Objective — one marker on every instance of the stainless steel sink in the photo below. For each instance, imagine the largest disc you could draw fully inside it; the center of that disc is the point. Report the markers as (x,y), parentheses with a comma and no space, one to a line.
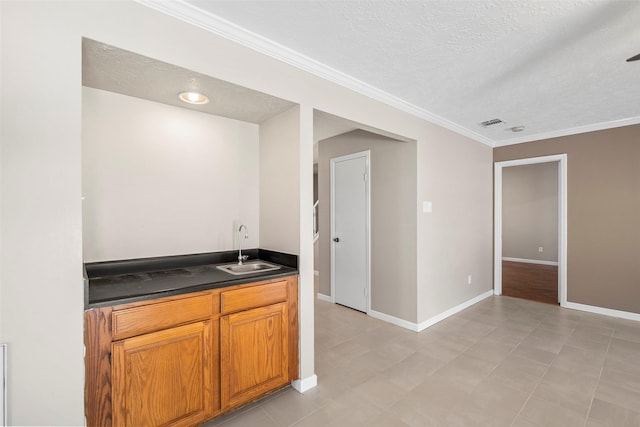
(248,267)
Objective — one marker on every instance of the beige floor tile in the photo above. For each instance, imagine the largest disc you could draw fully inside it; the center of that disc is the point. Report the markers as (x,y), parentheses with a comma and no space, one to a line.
(580,360)
(255,417)
(611,415)
(535,354)
(379,392)
(618,393)
(568,389)
(465,372)
(549,342)
(349,410)
(388,420)
(493,403)
(627,332)
(521,421)
(410,372)
(519,373)
(491,350)
(502,362)
(415,411)
(548,414)
(289,406)
(446,348)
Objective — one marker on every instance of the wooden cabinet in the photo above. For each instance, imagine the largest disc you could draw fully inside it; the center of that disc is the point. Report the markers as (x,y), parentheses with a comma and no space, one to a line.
(163,378)
(182,360)
(253,353)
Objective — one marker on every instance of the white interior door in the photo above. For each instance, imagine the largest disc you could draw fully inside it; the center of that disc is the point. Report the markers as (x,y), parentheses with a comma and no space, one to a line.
(350,230)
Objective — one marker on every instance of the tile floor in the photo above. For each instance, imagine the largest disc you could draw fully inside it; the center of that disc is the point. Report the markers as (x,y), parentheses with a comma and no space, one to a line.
(501,362)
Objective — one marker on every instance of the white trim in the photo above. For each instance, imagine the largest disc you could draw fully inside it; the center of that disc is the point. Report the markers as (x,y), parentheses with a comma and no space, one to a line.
(305,384)
(562,220)
(323,297)
(605,311)
(415,327)
(367,156)
(207,21)
(572,131)
(4,415)
(529,261)
(394,320)
(453,310)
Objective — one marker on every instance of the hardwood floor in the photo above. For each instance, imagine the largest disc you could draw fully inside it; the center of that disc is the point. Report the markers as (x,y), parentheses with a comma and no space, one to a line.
(535,282)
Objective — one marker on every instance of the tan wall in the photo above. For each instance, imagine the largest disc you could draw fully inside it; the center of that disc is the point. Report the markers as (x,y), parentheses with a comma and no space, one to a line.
(530,211)
(393,219)
(603,213)
(455,240)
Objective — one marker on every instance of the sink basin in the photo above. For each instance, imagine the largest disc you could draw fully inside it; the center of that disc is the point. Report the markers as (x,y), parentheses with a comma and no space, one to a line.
(248,267)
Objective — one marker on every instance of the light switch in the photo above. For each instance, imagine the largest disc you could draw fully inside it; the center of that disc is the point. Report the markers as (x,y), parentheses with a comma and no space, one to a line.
(427,206)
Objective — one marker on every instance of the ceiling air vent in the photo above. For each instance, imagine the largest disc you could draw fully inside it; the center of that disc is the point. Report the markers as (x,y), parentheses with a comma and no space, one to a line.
(491,122)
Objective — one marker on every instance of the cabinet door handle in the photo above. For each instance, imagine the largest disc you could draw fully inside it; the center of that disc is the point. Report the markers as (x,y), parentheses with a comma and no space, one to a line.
(336,239)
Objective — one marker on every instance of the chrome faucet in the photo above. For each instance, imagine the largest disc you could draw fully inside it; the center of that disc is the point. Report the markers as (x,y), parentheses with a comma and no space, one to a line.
(246,236)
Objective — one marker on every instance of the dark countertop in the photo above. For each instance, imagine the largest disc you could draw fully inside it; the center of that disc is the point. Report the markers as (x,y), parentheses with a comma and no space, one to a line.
(118,282)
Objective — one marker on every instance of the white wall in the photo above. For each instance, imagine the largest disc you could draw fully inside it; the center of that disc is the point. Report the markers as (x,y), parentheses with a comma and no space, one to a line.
(530,211)
(280,182)
(41,257)
(41,248)
(162,180)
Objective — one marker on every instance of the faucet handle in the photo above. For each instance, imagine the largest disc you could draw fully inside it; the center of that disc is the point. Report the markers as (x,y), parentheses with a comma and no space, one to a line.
(242,258)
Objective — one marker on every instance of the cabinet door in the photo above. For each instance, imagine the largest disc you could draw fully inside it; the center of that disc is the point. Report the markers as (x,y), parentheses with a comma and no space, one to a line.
(163,378)
(253,353)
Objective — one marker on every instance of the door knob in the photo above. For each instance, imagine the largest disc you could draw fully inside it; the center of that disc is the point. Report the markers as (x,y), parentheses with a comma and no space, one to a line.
(336,239)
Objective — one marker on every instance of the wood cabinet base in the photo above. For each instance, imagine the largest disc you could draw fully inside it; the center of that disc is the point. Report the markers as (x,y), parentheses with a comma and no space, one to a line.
(180,361)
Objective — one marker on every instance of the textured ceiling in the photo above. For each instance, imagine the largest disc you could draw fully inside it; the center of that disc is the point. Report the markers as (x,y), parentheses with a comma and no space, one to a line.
(115,70)
(555,67)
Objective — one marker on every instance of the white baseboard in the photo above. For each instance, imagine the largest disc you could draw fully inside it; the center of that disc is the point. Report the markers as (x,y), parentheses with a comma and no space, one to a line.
(440,317)
(417,327)
(305,384)
(530,261)
(394,320)
(323,297)
(601,310)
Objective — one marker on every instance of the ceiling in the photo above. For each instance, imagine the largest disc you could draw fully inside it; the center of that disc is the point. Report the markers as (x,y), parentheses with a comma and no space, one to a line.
(116,70)
(554,67)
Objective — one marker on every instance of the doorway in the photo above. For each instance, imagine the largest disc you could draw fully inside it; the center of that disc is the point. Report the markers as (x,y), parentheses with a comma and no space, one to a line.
(350,230)
(561,161)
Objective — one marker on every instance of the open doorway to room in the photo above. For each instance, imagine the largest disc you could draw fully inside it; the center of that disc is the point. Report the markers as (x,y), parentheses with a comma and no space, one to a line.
(530,229)
(530,232)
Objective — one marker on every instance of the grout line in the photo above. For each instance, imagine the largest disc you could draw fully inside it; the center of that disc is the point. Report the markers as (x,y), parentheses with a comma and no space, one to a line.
(595,389)
(537,384)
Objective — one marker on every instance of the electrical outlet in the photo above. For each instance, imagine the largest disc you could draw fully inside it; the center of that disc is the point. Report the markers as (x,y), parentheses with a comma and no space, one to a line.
(469,279)
(540,249)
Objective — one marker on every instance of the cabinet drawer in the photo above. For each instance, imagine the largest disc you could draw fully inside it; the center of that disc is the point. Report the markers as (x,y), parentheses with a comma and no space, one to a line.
(138,320)
(255,296)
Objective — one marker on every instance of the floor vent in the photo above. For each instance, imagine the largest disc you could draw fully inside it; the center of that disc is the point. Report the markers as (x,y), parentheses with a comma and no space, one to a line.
(491,122)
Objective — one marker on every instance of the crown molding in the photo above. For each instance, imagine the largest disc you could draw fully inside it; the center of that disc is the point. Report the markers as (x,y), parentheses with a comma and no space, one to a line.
(571,131)
(230,31)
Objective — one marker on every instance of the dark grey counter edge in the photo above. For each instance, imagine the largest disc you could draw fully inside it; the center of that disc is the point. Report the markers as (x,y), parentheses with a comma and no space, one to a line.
(257,277)
(96,270)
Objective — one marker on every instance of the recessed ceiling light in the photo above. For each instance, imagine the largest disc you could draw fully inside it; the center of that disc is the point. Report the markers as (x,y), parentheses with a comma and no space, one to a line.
(516,128)
(193,98)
